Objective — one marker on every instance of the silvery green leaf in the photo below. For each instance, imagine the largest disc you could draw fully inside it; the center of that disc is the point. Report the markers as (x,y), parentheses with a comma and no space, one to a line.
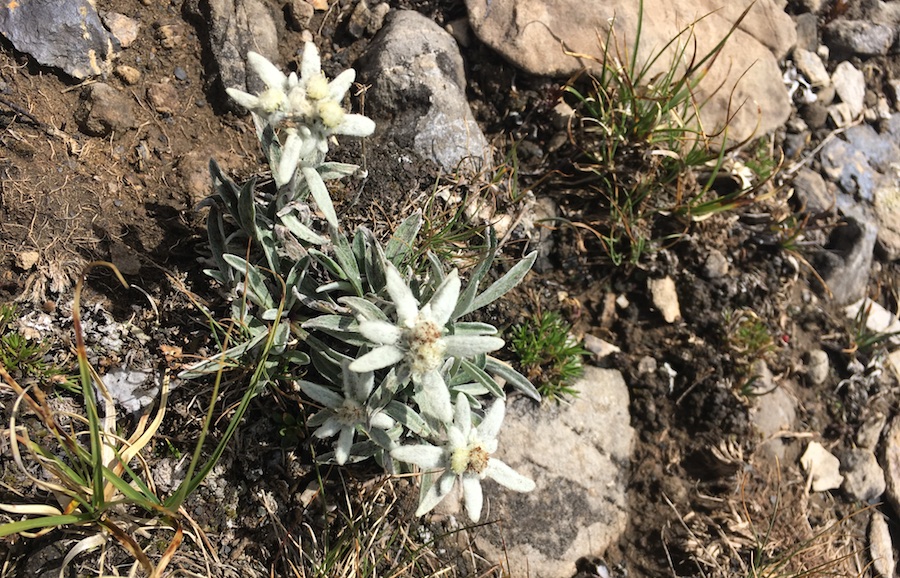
(335,325)
(226,188)
(407,416)
(212,364)
(344,255)
(482,378)
(217,275)
(320,193)
(333,267)
(359,452)
(215,230)
(330,171)
(463,305)
(295,357)
(360,248)
(512,377)
(437,268)
(321,394)
(271,314)
(473,328)
(404,238)
(382,438)
(258,292)
(281,339)
(502,285)
(300,230)
(472,390)
(271,146)
(363,308)
(266,238)
(247,207)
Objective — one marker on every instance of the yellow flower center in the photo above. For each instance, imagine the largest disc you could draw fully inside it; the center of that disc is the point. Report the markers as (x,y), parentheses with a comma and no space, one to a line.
(270,99)
(331,113)
(317,87)
(426,348)
(350,413)
(472,459)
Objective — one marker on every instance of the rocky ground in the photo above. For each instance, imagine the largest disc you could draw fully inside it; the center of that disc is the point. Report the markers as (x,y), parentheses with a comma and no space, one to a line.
(738,413)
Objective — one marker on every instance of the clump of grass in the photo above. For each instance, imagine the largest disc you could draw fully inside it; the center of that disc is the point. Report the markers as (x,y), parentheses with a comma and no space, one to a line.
(748,340)
(641,152)
(548,354)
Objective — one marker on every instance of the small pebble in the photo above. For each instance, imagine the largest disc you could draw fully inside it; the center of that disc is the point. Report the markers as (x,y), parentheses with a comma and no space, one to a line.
(180,73)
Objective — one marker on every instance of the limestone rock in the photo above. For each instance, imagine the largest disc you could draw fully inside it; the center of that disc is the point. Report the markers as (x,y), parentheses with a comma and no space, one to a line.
(812,67)
(850,84)
(846,262)
(665,298)
(887,211)
(817,366)
(125,29)
(822,468)
(578,508)
(881,549)
(534,35)
(66,35)
(417,92)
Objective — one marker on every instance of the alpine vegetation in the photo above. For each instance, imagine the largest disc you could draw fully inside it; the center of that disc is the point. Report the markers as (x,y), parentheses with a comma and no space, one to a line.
(385,354)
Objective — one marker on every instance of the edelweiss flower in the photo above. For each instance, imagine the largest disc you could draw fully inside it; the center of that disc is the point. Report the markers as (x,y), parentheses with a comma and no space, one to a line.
(309,103)
(466,458)
(418,341)
(344,414)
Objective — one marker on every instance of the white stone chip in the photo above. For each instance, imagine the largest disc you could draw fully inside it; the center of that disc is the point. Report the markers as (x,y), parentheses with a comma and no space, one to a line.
(822,468)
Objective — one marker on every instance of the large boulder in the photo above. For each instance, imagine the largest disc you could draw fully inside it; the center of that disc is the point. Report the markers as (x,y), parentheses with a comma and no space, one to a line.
(543,38)
(418,92)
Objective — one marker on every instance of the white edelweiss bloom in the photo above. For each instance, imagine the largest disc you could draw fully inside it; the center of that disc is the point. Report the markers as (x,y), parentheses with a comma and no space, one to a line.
(465,458)
(272,102)
(343,415)
(419,341)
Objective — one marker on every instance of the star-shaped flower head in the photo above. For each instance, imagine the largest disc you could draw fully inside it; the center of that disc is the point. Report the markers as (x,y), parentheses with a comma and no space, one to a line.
(465,458)
(343,415)
(271,104)
(419,341)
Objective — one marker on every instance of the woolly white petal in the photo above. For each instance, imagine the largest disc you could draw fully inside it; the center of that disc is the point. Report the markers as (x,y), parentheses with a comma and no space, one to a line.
(470,345)
(310,64)
(331,426)
(321,394)
(381,421)
(455,438)
(493,419)
(443,302)
(437,492)
(355,125)
(378,358)
(426,456)
(344,443)
(290,157)
(267,71)
(358,385)
(471,487)
(380,332)
(463,416)
(338,87)
(434,397)
(244,99)
(401,295)
(506,476)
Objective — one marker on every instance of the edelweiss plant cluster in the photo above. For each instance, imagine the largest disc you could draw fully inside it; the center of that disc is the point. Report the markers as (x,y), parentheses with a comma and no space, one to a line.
(399,376)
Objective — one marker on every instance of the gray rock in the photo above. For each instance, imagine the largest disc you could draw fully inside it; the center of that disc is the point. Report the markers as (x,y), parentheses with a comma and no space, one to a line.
(863,478)
(774,411)
(131,389)
(103,110)
(811,190)
(859,37)
(233,28)
(849,167)
(300,13)
(846,262)
(417,92)
(65,35)
(365,20)
(881,549)
(869,433)
(716,265)
(850,85)
(807,31)
(881,150)
(533,35)
(817,366)
(579,506)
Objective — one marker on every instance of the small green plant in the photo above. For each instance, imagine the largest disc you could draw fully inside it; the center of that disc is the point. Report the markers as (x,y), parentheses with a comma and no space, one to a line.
(548,354)
(639,146)
(22,356)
